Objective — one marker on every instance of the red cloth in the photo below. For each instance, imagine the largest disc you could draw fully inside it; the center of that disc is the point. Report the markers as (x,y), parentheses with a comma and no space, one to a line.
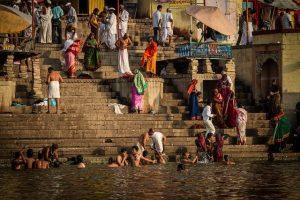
(231,114)
(192,86)
(218,151)
(201,142)
(149,52)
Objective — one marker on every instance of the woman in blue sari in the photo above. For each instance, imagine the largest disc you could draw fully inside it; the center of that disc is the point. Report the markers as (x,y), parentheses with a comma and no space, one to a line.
(193,100)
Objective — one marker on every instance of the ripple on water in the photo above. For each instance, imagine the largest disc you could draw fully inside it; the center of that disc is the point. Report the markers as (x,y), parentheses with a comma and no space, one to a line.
(244,180)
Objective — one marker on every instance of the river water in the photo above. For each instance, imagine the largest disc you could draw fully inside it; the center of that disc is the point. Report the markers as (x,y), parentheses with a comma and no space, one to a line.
(260,180)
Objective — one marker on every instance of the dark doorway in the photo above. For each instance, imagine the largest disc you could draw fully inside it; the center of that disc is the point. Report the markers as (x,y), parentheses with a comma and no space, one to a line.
(208,89)
(83,7)
(268,74)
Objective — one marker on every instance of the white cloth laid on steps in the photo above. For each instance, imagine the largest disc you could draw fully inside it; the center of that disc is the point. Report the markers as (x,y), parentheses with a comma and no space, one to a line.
(117,108)
(53,90)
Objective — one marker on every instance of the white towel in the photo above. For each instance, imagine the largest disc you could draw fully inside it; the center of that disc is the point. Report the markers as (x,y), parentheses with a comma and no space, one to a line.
(53,90)
(117,108)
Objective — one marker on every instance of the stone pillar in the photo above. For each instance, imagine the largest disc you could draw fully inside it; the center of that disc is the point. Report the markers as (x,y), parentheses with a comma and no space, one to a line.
(9,66)
(23,70)
(170,69)
(230,66)
(193,66)
(37,82)
(207,67)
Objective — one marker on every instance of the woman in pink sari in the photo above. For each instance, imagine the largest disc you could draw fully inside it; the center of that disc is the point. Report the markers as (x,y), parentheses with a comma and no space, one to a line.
(72,49)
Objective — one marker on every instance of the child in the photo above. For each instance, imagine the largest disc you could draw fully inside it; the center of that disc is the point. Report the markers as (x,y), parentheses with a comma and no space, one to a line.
(18,161)
(227,161)
(40,163)
(80,164)
(29,161)
(187,159)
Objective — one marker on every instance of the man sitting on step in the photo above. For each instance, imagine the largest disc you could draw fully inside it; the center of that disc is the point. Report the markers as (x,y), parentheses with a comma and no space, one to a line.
(53,80)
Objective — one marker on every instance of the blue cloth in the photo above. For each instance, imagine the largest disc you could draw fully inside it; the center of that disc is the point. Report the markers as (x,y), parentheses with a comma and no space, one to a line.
(193,105)
(57,12)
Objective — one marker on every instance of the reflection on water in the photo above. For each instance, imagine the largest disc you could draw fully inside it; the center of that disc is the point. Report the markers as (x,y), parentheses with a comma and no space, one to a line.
(245,180)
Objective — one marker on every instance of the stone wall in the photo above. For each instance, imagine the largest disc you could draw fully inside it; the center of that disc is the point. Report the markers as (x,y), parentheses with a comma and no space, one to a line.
(244,63)
(7,94)
(152,97)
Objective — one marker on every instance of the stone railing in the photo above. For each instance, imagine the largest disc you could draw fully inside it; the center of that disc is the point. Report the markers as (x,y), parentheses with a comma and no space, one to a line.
(204,50)
(152,97)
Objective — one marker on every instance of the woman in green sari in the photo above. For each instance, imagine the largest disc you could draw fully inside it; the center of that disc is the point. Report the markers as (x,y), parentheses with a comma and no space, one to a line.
(91,53)
(281,131)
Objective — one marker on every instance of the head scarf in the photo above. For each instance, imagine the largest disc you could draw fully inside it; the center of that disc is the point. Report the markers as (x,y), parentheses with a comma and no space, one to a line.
(192,86)
(139,82)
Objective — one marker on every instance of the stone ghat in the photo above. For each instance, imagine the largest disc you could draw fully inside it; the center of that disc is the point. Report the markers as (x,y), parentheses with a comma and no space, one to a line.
(92,129)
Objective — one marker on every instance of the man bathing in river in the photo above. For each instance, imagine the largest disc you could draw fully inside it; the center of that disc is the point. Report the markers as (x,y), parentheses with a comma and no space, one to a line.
(29,161)
(40,163)
(142,141)
(137,157)
(121,160)
(53,80)
(158,140)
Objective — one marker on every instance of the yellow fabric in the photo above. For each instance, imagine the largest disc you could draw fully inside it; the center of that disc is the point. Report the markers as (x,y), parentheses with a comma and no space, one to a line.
(151,64)
(96,4)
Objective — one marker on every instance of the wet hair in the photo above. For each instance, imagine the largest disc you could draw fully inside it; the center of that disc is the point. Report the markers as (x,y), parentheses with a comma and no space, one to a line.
(159,7)
(135,148)
(50,69)
(54,146)
(96,10)
(145,153)
(79,159)
(123,150)
(40,155)
(226,157)
(29,153)
(110,160)
(180,167)
(150,130)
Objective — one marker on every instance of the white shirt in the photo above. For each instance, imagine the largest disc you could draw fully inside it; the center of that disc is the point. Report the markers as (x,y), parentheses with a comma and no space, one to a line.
(229,79)
(157,139)
(72,16)
(112,24)
(206,114)
(166,20)
(156,17)
(124,17)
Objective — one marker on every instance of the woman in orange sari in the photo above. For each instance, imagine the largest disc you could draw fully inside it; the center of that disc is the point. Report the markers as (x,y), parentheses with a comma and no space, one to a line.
(218,109)
(150,56)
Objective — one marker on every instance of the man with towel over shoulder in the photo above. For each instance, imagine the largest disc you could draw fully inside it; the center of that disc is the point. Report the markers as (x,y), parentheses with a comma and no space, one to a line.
(53,80)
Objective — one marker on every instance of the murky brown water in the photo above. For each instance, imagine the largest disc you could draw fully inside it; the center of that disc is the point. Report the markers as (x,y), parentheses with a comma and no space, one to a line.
(279,180)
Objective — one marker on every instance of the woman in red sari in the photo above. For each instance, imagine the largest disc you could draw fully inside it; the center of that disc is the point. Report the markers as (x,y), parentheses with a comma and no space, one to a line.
(230,111)
(71,51)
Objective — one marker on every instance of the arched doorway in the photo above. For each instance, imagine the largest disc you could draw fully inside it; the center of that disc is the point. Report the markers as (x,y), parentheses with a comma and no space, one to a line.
(268,74)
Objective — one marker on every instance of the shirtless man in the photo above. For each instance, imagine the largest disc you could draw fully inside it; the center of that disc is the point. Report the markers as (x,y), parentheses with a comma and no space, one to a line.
(137,157)
(123,65)
(53,80)
(121,160)
(29,161)
(40,163)
(142,141)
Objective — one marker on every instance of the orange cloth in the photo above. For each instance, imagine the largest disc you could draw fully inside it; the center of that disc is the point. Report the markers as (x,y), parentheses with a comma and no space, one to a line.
(150,56)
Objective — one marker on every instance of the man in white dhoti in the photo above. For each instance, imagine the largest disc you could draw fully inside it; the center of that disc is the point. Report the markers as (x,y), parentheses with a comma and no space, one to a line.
(167,27)
(124,17)
(207,119)
(123,64)
(71,15)
(241,125)
(111,29)
(46,24)
(53,80)
(158,142)
(103,25)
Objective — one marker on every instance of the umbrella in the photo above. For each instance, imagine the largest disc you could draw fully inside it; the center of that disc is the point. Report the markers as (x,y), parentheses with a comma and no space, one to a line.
(283,4)
(13,20)
(212,17)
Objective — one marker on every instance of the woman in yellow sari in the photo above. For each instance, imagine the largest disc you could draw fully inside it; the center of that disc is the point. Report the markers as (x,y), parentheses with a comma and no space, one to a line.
(150,56)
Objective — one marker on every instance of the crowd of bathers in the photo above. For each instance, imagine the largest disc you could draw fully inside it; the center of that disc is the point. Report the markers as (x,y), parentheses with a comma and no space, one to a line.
(209,149)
